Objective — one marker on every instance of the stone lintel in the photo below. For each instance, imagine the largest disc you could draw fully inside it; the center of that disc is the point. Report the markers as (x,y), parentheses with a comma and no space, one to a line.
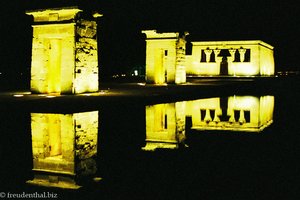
(54,14)
(152,34)
(232,43)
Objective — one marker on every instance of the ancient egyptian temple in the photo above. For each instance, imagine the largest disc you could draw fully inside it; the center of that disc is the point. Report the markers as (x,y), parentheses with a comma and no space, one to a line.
(231,58)
(64,51)
(167,62)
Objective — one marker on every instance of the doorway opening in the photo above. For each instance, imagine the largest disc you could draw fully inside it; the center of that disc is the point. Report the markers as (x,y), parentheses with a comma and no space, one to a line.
(54,66)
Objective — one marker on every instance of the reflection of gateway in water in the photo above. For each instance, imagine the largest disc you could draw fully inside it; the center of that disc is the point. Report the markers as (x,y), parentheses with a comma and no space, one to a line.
(63,147)
(165,123)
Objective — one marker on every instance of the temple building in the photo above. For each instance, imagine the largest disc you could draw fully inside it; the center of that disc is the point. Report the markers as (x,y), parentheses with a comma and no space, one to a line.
(64,147)
(165,57)
(64,51)
(167,62)
(231,58)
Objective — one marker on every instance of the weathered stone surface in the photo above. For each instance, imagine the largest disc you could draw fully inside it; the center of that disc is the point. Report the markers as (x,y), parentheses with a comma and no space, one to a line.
(86,132)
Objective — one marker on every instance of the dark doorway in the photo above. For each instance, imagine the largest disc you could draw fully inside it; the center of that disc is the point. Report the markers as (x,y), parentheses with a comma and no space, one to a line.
(224,66)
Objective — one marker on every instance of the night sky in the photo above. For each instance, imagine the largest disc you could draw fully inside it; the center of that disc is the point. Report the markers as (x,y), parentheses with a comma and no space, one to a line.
(122,45)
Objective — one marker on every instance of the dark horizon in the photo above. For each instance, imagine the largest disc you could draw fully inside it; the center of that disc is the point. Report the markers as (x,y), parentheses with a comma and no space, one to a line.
(122,45)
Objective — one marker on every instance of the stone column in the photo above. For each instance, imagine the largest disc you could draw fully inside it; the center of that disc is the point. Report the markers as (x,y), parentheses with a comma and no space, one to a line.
(217,52)
(242,119)
(207,54)
(242,54)
(232,53)
(207,117)
(231,59)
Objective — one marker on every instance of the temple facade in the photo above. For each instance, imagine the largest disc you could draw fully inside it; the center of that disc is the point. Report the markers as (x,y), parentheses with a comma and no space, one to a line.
(167,62)
(231,58)
(64,51)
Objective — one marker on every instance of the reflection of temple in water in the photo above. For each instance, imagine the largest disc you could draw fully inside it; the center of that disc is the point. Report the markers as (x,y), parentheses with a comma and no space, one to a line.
(165,123)
(63,147)
(235,113)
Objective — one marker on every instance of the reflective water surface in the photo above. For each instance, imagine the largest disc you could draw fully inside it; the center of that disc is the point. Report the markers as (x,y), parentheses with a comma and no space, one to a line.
(216,146)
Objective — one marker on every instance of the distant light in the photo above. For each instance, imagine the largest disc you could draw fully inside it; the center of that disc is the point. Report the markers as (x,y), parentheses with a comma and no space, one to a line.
(50,96)
(18,95)
(95,15)
(97,179)
(142,84)
(123,75)
(136,72)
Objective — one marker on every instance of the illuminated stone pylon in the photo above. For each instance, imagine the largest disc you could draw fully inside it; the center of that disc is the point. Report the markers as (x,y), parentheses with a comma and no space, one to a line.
(64,51)
(165,57)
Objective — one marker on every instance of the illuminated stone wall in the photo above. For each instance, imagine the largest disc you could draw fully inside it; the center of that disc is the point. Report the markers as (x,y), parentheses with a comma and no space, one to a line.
(64,51)
(86,67)
(244,58)
(266,105)
(165,57)
(63,146)
(165,125)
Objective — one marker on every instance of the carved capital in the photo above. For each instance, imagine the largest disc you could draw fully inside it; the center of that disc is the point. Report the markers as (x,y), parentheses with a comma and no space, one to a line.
(207,54)
(232,52)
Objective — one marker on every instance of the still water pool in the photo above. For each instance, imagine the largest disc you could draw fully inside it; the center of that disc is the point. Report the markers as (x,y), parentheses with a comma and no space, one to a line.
(234,146)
